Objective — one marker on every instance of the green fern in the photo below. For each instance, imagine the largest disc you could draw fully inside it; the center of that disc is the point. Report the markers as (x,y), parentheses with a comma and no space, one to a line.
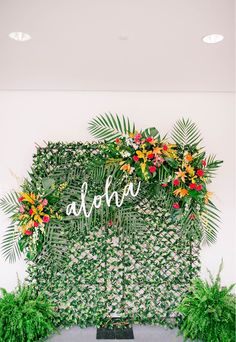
(185,132)
(208,312)
(109,127)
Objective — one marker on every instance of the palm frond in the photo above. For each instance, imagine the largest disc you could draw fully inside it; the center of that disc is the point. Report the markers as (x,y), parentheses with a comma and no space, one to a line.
(212,166)
(9,203)
(108,126)
(185,132)
(209,220)
(10,247)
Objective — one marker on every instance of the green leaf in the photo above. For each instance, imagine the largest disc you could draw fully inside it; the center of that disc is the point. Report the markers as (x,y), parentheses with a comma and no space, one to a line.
(185,132)
(108,126)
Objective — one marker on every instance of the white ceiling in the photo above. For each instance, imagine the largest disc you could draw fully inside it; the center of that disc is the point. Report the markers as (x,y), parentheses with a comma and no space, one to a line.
(76,45)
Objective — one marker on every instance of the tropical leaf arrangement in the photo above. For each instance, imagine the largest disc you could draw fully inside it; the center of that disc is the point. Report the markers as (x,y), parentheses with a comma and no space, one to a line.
(208,311)
(25,316)
(178,171)
(181,167)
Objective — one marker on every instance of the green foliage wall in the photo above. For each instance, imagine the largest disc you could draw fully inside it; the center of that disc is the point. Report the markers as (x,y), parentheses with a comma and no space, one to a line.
(140,269)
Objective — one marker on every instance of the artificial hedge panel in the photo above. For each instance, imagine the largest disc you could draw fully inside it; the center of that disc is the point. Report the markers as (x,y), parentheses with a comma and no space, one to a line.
(100,267)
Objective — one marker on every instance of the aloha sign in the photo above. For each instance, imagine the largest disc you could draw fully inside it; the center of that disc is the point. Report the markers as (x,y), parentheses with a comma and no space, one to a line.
(77,209)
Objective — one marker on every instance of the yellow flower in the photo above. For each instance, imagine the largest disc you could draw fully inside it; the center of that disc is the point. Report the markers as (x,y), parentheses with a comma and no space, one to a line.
(181,192)
(131,135)
(140,154)
(181,174)
(40,207)
(207,196)
(28,198)
(143,167)
(190,170)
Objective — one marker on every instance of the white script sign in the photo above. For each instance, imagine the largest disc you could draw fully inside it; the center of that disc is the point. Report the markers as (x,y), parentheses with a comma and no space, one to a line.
(74,209)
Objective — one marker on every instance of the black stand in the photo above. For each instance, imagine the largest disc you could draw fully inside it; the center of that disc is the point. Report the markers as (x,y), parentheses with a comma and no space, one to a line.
(115,334)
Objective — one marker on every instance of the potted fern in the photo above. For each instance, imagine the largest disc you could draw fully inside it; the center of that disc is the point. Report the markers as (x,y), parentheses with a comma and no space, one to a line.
(208,311)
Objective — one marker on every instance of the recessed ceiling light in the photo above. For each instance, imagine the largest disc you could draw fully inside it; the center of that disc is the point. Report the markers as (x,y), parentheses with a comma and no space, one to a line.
(20,36)
(123,37)
(213,38)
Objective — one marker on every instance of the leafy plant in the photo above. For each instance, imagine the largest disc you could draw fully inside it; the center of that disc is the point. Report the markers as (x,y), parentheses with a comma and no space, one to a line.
(208,311)
(25,317)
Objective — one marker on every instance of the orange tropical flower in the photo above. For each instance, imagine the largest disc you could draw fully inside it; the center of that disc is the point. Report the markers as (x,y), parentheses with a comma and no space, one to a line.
(157,150)
(181,174)
(190,170)
(126,167)
(181,192)
(188,157)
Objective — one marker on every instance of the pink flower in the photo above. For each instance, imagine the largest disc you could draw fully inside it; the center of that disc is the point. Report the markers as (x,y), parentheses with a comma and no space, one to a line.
(46,218)
(176,182)
(28,232)
(36,224)
(152,169)
(44,202)
(21,209)
(20,199)
(165,147)
(135,159)
(200,173)
(31,211)
(137,138)
(164,185)
(176,205)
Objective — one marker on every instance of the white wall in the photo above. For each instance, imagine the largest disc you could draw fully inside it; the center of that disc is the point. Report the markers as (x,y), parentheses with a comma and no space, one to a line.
(30,117)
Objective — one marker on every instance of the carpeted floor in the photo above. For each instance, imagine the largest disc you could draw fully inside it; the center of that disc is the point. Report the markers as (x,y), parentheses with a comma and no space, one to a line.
(141,334)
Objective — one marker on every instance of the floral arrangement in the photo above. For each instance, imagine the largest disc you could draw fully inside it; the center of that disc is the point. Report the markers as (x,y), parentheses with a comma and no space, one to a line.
(31,214)
(187,172)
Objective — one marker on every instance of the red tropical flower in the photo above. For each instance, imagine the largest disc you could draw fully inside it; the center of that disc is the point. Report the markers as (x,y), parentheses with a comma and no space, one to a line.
(117,140)
(165,147)
(176,182)
(110,223)
(135,158)
(150,156)
(176,205)
(192,216)
(164,185)
(31,211)
(204,163)
(20,199)
(192,186)
(199,187)
(36,224)
(149,139)
(46,219)
(28,232)
(200,173)
(152,169)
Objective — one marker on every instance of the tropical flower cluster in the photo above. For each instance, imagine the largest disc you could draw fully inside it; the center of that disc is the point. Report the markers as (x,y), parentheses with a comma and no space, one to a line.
(32,216)
(149,157)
